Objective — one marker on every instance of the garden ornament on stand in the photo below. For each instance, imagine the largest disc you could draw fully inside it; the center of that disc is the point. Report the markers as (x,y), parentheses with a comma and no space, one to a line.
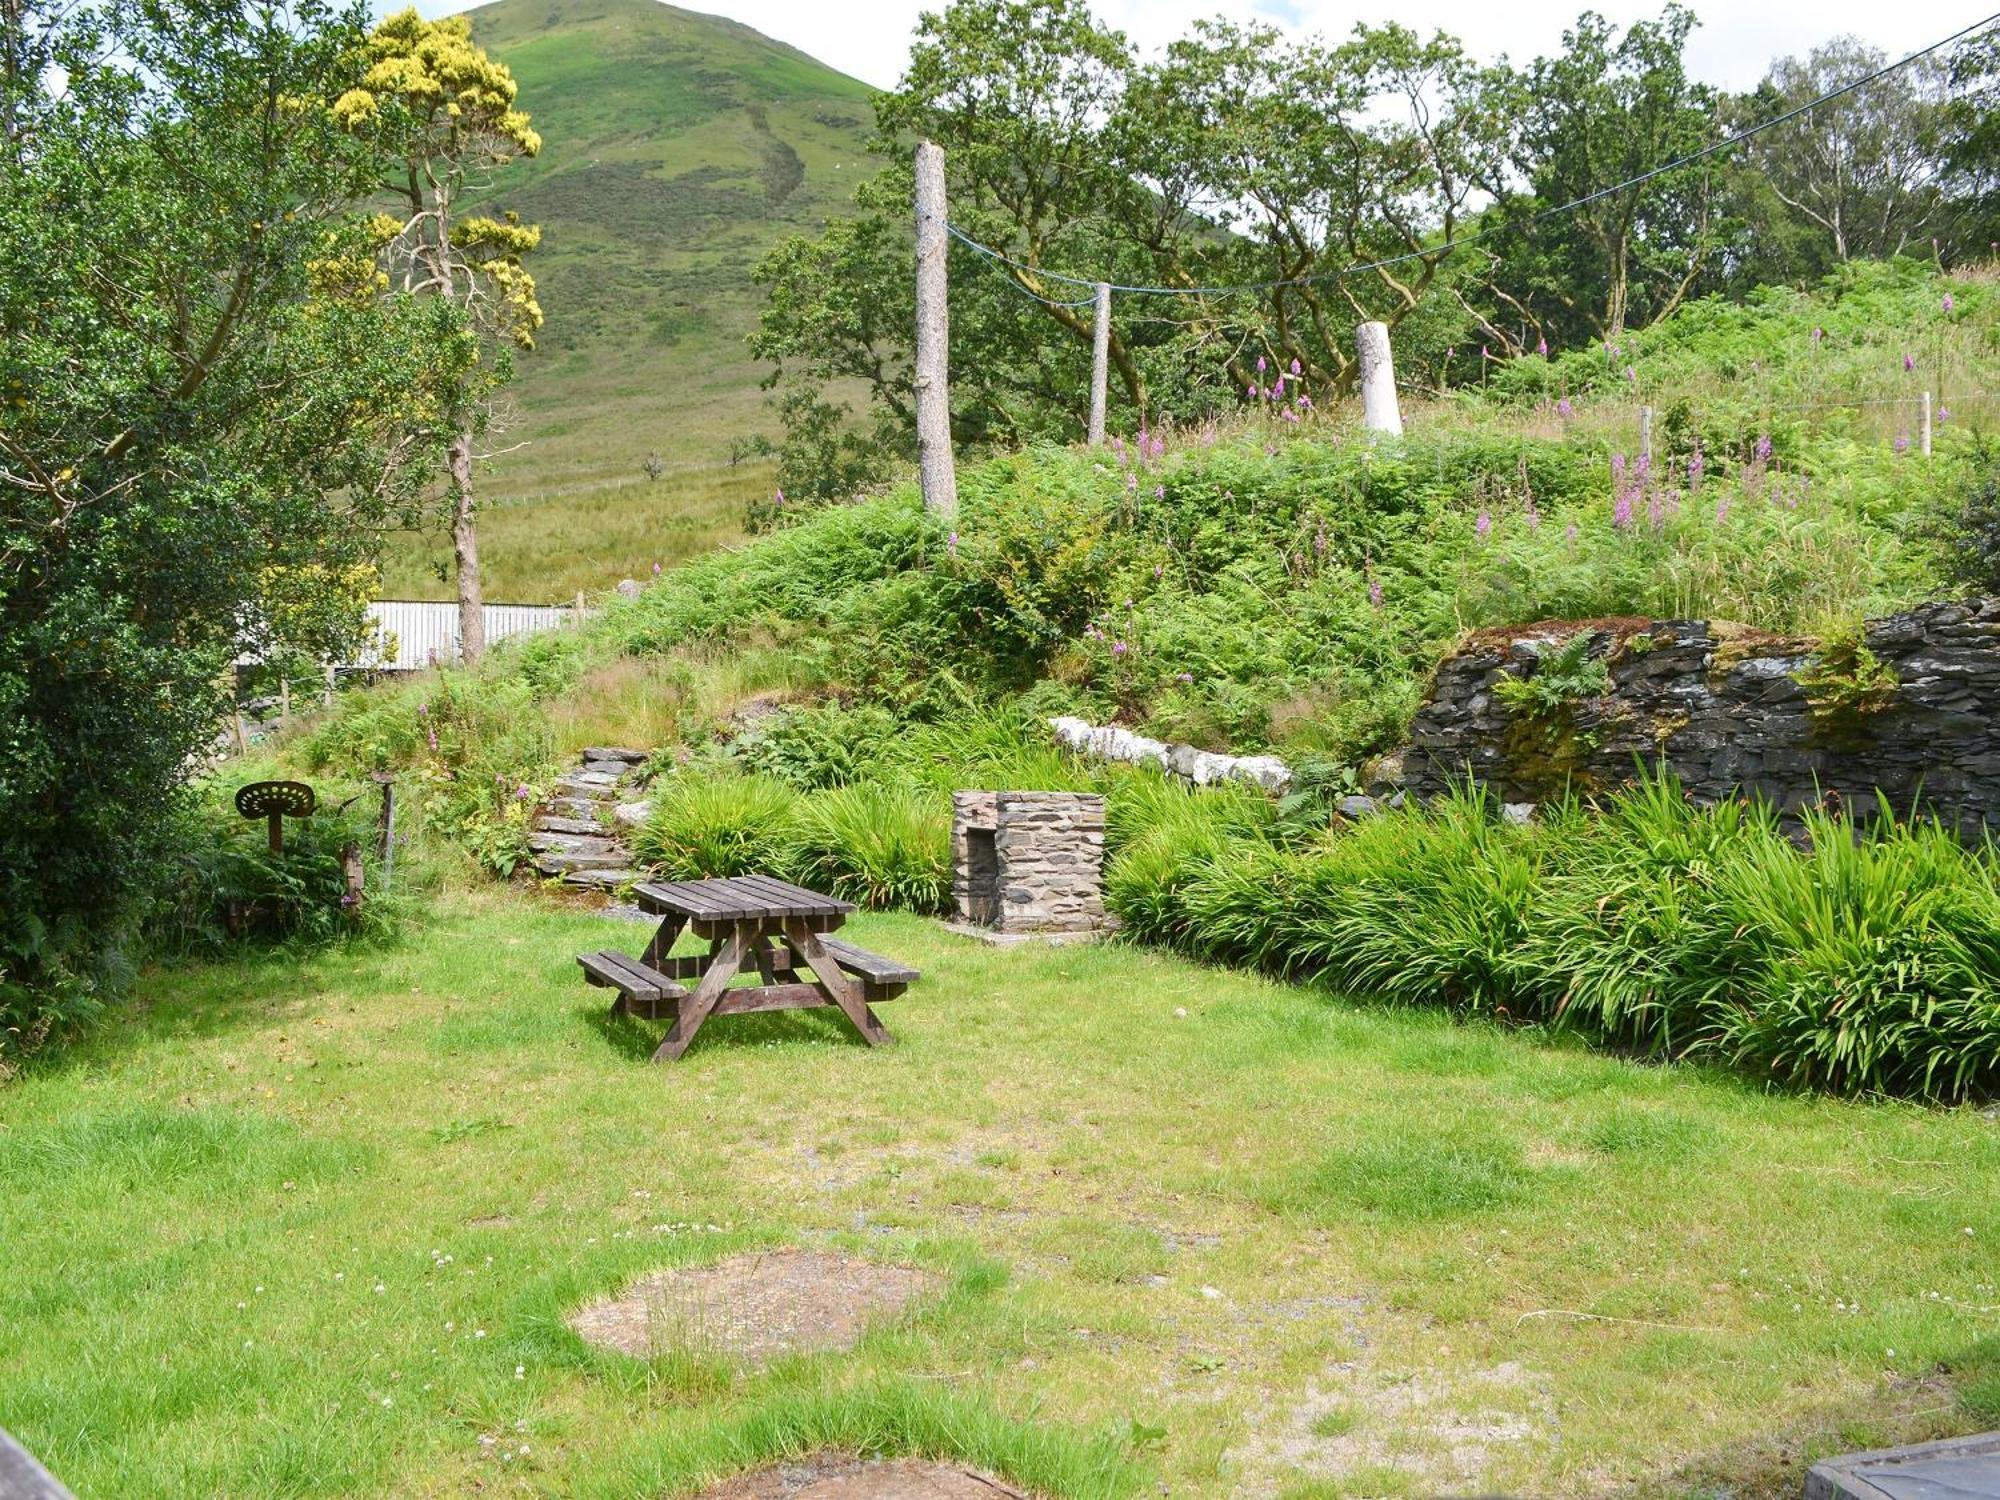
(275,801)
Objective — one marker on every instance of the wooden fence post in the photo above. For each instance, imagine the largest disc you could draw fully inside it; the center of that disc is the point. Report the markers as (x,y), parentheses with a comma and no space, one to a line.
(1646,435)
(1379,412)
(933,391)
(1100,363)
(1927,424)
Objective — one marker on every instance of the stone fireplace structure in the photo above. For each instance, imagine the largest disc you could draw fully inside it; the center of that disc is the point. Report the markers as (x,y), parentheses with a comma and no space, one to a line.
(1028,864)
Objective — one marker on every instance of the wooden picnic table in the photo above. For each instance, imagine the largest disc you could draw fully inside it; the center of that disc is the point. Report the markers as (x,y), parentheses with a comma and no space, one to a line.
(753,924)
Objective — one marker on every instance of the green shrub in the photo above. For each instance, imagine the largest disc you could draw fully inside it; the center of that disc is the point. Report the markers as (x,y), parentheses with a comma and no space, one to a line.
(1869,964)
(880,846)
(706,825)
(226,886)
(1866,962)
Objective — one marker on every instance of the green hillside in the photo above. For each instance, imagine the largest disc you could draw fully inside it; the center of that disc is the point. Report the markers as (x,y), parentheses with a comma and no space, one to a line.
(678,147)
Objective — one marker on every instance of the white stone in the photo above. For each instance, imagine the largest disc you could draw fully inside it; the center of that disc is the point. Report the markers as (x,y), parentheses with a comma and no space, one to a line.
(1202,767)
(633,814)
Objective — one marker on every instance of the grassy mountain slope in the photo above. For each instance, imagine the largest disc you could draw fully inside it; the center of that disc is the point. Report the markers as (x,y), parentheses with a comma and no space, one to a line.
(678,148)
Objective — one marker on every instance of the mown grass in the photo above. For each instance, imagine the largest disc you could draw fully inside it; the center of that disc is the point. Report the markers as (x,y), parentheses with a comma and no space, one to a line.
(311,1227)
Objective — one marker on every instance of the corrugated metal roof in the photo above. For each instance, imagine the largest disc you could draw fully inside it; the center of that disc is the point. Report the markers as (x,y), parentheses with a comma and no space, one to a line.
(411,634)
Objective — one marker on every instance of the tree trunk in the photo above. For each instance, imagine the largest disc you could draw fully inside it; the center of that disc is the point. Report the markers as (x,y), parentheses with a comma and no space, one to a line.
(465,553)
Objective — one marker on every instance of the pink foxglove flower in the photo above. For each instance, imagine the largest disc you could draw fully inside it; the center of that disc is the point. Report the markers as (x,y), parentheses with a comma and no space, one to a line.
(1484,525)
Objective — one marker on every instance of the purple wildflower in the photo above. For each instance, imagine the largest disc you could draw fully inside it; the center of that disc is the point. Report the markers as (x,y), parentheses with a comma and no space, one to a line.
(1251,391)
(1375,592)
(1278,390)
(1564,409)
(1621,510)
(1305,401)
(522,794)
(1260,364)
(1696,466)
(1484,352)
(1542,347)
(1184,677)
(1159,492)
(1569,532)
(1119,648)
(1902,442)
(1947,301)
(1534,515)
(1818,335)
(1483,526)
(1944,415)
(1632,375)
(656,570)
(951,544)
(432,735)
(1722,508)
(1764,448)
(1909,363)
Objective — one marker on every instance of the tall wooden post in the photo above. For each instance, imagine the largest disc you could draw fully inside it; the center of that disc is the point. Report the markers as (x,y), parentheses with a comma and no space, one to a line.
(1646,435)
(933,390)
(1379,412)
(1927,424)
(1100,363)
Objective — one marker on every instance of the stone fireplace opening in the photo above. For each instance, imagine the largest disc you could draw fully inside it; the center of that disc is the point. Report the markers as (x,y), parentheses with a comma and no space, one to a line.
(1028,864)
(982,877)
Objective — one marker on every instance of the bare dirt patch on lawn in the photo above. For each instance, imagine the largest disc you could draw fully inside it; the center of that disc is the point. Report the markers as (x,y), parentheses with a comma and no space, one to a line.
(837,1476)
(754,1307)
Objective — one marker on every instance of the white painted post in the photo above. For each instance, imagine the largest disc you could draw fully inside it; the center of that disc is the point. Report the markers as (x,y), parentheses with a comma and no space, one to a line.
(936,475)
(1646,435)
(1927,424)
(1100,363)
(1379,412)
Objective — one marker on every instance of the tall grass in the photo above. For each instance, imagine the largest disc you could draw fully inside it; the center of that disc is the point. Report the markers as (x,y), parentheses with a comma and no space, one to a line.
(1866,961)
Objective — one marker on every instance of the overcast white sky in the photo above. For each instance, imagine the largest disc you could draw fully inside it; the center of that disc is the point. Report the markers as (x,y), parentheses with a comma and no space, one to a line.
(870,38)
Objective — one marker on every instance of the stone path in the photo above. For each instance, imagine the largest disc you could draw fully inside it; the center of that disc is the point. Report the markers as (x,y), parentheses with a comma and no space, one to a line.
(577,834)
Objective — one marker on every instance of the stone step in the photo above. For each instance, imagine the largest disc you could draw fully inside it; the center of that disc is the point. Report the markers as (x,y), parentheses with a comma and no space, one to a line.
(591,791)
(562,862)
(578,809)
(595,778)
(574,843)
(590,827)
(604,879)
(617,770)
(614,752)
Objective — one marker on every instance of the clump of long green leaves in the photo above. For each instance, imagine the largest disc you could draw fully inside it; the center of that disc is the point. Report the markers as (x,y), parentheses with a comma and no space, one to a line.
(1858,960)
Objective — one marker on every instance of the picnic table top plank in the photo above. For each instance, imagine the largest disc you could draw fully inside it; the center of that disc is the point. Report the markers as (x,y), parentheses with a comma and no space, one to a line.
(738,898)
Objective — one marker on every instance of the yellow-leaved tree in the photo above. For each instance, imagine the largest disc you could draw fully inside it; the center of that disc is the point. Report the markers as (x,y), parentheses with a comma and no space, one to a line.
(447,111)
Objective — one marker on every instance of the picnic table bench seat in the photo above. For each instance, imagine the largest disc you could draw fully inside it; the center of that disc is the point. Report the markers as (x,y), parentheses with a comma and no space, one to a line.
(885,978)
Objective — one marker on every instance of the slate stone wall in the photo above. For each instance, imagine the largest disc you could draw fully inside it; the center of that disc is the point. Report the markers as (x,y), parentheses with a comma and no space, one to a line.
(1732,711)
(1048,849)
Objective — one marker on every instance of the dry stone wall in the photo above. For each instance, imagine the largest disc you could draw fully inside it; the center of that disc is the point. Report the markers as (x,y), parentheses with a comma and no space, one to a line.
(1910,709)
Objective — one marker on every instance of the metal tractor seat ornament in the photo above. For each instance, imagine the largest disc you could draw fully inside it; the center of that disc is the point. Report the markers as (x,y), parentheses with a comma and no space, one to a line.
(276,801)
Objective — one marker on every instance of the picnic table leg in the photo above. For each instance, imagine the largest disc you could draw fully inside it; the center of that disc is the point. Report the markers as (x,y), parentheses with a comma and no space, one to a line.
(839,987)
(663,940)
(724,961)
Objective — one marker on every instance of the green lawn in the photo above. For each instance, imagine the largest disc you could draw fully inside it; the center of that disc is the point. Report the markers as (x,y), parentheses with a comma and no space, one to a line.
(311,1227)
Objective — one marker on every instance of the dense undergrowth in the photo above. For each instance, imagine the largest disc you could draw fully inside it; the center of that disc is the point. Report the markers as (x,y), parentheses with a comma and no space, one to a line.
(814,695)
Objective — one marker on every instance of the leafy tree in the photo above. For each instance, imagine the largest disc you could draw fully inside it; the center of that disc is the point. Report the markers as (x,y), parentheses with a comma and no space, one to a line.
(208,414)
(440,104)
(1861,176)
(1611,108)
